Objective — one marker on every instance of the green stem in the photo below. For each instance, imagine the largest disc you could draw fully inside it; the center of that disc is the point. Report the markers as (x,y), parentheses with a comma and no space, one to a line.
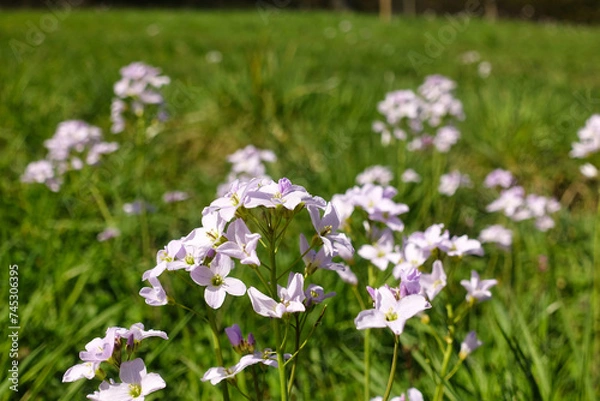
(367,344)
(439,390)
(217,350)
(295,361)
(101,204)
(256,385)
(276,322)
(595,310)
(388,389)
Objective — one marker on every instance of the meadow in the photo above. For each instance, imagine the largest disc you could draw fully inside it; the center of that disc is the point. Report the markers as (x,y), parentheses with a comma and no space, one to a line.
(305,86)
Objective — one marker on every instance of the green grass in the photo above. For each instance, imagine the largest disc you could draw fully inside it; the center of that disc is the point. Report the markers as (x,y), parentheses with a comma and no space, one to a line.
(284,85)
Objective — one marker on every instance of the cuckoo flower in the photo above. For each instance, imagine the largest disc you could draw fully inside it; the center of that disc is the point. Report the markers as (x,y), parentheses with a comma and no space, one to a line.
(327,227)
(499,178)
(315,294)
(136,333)
(460,246)
(390,310)
(291,298)
(171,258)
(241,243)
(273,194)
(218,374)
(314,260)
(470,344)
(413,257)
(136,384)
(155,295)
(432,238)
(497,234)
(432,284)
(239,344)
(209,235)
(96,351)
(478,290)
(218,285)
(375,175)
(382,252)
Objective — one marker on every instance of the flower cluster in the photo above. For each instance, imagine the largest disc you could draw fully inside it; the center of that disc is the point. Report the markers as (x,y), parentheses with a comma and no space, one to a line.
(589,143)
(409,114)
(247,163)
(138,88)
(515,204)
(74,145)
(135,381)
(207,252)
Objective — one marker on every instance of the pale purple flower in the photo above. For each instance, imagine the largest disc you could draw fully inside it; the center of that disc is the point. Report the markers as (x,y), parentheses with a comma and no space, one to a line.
(375,175)
(445,138)
(283,193)
(410,282)
(326,228)
(449,183)
(218,285)
(390,311)
(432,284)
(461,246)
(478,290)
(209,234)
(433,237)
(155,295)
(410,175)
(85,370)
(413,257)
(347,275)
(344,207)
(381,253)
(509,202)
(291,298)
(412,393)
(435,86)
(315,294)
(249,161)
(136,384)
(377,201)
(236,338)
(138,207)
(42,172)
(136,333)
(314,260)
(399,105)
(139,86)
(218,374)
(235,196)
(99,149)
(241,243)
(175,196)
(470,344)
(100,349)
(588,170)
(496,234)
(170,258)
(589,139)
(108,233)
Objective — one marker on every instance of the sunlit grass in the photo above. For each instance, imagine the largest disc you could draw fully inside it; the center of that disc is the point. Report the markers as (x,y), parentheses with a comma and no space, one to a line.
(299,85)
